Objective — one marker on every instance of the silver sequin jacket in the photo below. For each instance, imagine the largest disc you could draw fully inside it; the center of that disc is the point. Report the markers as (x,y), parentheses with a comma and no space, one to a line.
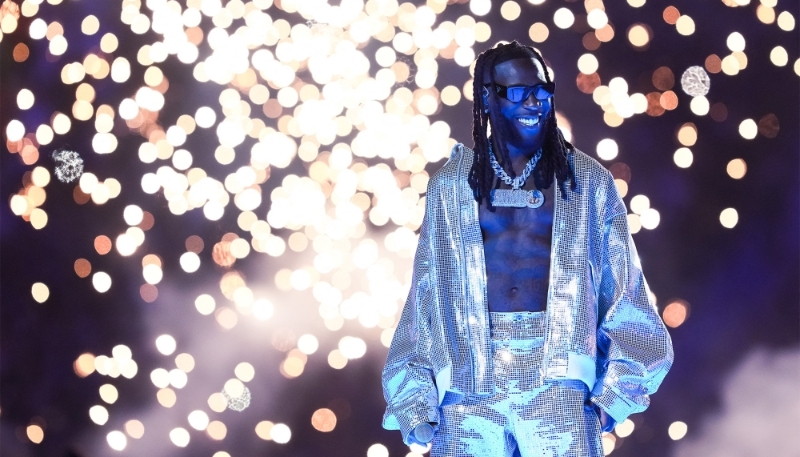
(603,328)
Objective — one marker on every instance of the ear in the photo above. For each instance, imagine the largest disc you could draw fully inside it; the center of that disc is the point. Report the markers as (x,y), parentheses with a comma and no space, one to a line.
(485,96)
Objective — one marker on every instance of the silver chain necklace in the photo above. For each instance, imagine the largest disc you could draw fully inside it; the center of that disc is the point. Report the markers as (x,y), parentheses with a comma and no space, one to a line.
(515,197)
(517,182)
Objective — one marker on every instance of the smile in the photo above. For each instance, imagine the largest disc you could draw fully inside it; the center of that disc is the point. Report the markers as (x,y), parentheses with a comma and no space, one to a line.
(528,121)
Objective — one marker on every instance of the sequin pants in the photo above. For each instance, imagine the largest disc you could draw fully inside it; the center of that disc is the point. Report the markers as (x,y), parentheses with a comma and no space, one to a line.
(526,417)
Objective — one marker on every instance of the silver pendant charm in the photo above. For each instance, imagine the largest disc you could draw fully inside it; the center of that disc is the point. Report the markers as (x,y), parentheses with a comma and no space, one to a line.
(517,198)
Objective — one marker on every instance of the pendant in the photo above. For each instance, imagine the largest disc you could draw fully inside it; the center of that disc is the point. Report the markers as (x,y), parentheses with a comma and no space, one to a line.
(517,198)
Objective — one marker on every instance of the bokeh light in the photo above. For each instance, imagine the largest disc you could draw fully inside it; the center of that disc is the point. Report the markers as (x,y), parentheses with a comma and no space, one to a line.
(35,433)
(683,157)
(729,217)
(101,281)
(40,292)
(280,433)
(625,428)
(296,140)
(134,428)
(377,450)
(675,313)
(323,420)
(677,430)
(166,344)
(607,149)
(179,437)
(117,440)
(748,129)
(736,168)
(563,18)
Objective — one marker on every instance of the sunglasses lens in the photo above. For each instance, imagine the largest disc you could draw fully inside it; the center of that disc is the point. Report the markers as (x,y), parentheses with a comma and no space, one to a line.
(541,93)
(516,94)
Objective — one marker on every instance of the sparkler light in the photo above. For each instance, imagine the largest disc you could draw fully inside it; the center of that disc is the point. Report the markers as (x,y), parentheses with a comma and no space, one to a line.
(259,168)
(68,165)
(695,81)
(237,402)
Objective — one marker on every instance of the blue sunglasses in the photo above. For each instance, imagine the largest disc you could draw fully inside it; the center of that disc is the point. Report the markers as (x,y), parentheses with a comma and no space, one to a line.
(517,94)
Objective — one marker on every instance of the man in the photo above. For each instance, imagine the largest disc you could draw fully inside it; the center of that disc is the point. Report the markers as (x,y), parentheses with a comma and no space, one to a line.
(528,328)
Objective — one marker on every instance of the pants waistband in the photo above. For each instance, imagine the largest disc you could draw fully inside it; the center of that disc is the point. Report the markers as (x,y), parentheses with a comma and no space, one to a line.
(518,326)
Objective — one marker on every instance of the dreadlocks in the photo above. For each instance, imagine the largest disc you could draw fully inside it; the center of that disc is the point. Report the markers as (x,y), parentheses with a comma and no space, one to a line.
(554,147)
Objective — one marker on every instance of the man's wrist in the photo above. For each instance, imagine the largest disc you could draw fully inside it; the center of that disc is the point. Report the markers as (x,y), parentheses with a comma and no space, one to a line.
(607,423)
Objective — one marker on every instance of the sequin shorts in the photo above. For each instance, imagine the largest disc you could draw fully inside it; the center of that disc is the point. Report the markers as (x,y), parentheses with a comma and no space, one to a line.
(526,417)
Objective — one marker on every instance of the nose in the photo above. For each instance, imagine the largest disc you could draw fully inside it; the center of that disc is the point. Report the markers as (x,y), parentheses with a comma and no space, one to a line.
(531,100)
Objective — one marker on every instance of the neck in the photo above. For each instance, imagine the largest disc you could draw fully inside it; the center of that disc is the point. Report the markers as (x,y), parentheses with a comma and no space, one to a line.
(520,156)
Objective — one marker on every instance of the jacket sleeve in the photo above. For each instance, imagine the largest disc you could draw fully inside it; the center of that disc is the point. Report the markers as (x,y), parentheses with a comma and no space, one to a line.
(634,348)
(408,376)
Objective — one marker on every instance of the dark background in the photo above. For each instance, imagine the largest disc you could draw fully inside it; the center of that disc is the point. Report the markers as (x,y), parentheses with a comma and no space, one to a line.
(741,283)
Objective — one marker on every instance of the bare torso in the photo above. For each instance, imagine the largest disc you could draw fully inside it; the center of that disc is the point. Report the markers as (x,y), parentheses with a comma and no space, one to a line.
(516,245)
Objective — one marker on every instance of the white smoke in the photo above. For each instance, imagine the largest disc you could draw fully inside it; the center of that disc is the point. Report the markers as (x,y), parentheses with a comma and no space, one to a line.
(760,412)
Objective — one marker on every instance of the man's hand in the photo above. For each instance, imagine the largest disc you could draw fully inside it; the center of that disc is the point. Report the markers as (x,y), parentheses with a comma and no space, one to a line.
(422,434)
(607,423)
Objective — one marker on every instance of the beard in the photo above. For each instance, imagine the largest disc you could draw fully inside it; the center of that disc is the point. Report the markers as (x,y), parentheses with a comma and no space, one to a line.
(502,130)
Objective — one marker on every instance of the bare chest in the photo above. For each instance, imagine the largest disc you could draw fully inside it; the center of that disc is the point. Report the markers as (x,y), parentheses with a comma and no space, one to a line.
(516,244)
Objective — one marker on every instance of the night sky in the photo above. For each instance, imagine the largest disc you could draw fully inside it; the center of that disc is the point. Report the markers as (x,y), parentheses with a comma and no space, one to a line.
(740,284)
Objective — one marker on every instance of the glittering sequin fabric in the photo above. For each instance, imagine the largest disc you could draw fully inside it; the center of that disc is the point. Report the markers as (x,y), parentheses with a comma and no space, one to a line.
(527,416)
(603,329)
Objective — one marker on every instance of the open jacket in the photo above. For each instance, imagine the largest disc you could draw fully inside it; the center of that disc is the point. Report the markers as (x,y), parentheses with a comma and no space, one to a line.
(602,327)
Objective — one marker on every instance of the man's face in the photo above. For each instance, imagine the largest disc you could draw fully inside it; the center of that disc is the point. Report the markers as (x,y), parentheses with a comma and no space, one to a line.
(525,120)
